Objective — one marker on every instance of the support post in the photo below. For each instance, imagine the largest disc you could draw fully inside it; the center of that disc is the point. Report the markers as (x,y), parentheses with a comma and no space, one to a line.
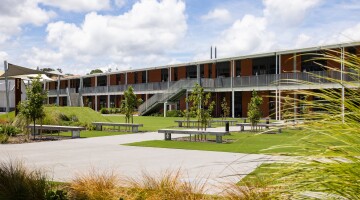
(6,87)
(276,91)
(279,85)
(198,74)
(342,86)
(58,92)
(232,90)
(165,108)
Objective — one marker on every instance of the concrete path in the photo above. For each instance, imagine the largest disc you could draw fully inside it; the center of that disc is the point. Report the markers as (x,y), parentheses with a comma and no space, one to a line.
(64,159)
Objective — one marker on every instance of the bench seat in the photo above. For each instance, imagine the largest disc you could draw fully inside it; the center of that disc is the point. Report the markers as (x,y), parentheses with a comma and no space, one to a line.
(168,132)
(261,125)
(134,127)
(75,130)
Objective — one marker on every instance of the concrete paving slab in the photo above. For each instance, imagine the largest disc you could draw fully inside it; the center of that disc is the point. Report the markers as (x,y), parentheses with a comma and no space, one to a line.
(64,159)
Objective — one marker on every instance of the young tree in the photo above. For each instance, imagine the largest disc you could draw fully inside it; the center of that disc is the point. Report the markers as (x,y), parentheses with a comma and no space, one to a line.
(201,105)
(129,104)
(254,112)
(225,108)
(32,108)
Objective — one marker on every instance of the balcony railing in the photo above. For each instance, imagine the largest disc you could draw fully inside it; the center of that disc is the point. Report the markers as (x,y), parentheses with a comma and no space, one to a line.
(321,77)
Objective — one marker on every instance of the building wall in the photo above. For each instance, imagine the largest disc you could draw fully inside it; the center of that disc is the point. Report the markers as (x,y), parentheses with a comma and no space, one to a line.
(113,79)
(154,75)
(130,78)
(246,67)
(181,73)
(63,84)
(92,81)
(287,63)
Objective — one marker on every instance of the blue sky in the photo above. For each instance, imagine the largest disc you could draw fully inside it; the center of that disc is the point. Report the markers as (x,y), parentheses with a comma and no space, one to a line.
(80,35)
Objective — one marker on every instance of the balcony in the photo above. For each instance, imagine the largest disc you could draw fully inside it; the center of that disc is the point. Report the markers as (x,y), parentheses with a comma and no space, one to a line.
(321,77)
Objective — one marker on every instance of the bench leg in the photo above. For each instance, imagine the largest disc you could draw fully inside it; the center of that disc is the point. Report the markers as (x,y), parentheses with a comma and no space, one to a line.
(98,127)
(167,136)
(242,128)
(279,130)
(134,129)
(180,124)
(75,134)
(218,139)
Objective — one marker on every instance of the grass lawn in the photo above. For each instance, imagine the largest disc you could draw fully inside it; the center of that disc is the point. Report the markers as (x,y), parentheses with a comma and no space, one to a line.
(10,115)
(290,142)
(295,178)
(84,114)
(88,134)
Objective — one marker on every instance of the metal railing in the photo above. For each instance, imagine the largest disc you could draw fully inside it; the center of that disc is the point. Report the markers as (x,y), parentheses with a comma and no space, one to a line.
(174,89)
(320,77)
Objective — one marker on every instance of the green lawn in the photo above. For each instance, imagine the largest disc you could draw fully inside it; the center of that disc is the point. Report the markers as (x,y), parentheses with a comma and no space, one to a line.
(88,134)
(84,114)
(290,142)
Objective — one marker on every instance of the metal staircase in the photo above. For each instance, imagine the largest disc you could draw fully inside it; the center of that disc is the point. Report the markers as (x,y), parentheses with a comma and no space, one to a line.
(73,98)
(173,93)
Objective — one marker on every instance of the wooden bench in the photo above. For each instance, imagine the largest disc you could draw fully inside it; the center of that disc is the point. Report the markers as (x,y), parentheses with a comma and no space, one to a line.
(193,122)
(224,121)
(134,127)
(261,125)
(75,130)
(168,132)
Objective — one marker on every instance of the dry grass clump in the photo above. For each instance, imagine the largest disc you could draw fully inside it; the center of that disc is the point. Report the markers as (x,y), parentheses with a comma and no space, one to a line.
(165,186)
(95,186)
(255,189)
(18,182)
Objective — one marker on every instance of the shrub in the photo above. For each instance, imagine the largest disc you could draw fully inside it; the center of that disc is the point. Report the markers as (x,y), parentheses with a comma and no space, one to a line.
(104,111)
(9,130)
(94,186)
(3,138)
(56,195)
(174,113)
(17,182)
(64,117)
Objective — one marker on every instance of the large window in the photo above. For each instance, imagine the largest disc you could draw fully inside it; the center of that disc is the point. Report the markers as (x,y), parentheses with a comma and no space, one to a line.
(135,77)
(223,69)
(265,65)
(118,79)
(164,75)
(202,71)
(101,81)
(143,77)
(191,71)
(310,63)
(87,82)
(238,68)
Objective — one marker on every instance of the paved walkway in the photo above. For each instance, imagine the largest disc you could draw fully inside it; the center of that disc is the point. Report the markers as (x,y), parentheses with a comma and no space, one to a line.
(63,159)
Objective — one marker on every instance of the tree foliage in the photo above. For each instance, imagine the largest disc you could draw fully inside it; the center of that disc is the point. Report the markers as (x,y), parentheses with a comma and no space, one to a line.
(254,112)
(96,71)
(129,104)
(201,106)
(32,108)
(225,108)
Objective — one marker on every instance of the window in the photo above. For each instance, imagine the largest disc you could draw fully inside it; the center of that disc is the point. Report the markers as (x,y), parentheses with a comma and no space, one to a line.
(238,68)
(86,82)
(223,69)
(101,81)
(202,72)
(143,77)
(265,65)
(310,63)
(164,75)
(118,79)
(191,71)
(135,77)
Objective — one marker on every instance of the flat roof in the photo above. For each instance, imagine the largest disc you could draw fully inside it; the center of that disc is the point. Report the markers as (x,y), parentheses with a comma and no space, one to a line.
(247,56)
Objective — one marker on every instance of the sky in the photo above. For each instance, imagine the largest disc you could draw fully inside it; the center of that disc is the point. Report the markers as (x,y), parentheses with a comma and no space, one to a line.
(80,35)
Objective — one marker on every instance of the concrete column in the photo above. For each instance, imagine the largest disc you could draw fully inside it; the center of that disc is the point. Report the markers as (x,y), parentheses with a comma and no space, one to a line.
(58,92)
(107,89)
(295,96)
(232,88)
(198,74)
(126,78)
(96,97)
(81,103)
(342,86)
(6,87)
(279,108)
(165,108)
(276,94)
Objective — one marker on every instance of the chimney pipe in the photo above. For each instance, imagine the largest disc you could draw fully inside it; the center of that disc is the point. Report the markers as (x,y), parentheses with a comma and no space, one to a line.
(210,52)
(215,52)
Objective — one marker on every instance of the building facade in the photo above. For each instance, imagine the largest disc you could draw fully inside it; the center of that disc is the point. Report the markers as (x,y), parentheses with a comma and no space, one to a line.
(166,87)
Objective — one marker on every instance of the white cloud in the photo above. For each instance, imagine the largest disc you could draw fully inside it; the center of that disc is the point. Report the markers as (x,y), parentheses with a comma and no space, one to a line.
(79,5)
(302,40)
(16,13)
(3,55)
(287,13)
(219,14)
(148,31)
(351,34)
(43,58)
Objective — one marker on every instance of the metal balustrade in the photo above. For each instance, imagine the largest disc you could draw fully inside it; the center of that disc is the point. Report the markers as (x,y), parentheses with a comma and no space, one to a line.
(169,88)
